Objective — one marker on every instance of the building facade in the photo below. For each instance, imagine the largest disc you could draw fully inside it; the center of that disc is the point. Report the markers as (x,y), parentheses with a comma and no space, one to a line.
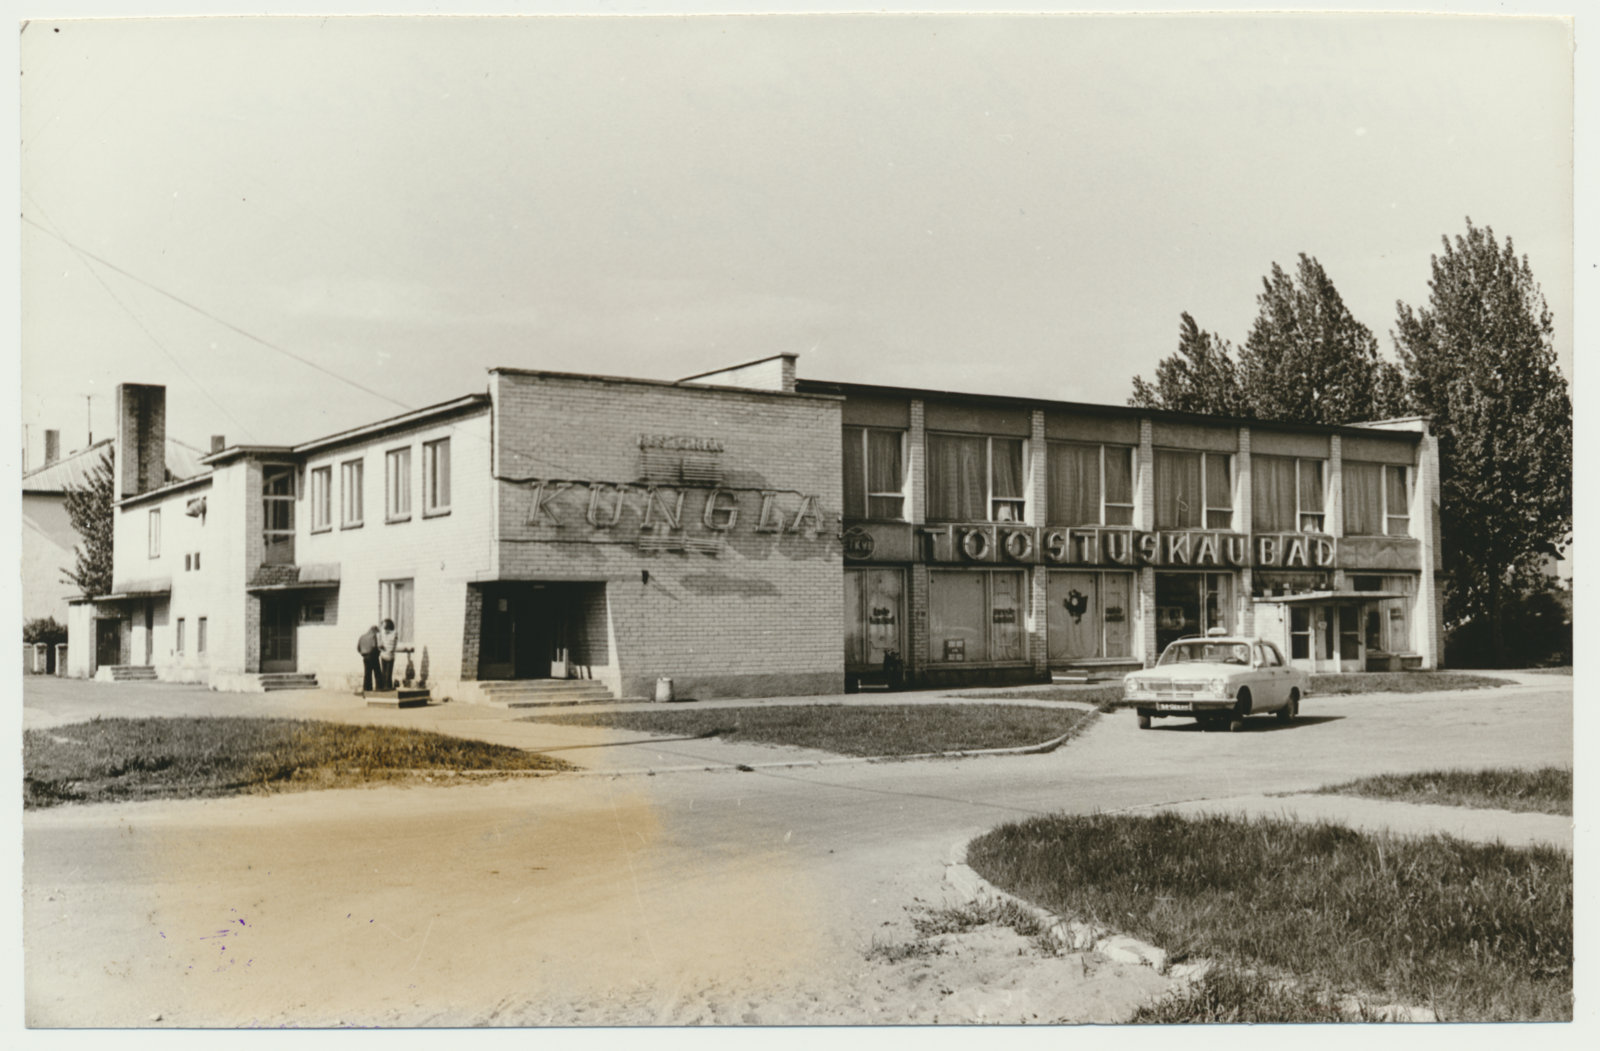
(745,533)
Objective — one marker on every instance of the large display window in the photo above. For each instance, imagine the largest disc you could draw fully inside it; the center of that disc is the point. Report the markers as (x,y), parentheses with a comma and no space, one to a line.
(1192,604)
(874,616)
(977,616)
(1089,615)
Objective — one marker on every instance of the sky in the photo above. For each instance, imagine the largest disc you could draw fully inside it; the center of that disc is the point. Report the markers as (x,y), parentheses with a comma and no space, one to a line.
(302,225)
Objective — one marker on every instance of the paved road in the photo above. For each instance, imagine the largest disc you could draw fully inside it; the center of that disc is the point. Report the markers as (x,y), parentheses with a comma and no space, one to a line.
(691,896)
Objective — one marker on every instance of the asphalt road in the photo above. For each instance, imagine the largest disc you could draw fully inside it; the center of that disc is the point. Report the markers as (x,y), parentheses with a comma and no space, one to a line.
(720,896)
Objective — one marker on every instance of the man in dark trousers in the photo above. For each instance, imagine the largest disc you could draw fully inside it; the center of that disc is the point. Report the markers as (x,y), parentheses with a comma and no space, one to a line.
(372,677)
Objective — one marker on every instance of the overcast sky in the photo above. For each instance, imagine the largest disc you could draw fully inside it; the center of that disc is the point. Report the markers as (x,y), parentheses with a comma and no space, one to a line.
(1014,205)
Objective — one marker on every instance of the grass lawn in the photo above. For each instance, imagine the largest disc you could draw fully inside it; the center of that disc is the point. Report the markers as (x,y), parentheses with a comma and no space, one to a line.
(107,760)
(1547,790)
(848,729)
(1475,932)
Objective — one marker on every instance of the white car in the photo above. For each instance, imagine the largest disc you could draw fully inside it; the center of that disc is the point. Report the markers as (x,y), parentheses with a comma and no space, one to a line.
(1217,678)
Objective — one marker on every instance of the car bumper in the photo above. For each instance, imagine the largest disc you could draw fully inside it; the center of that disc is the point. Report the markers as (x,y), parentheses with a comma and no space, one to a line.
(1158,706)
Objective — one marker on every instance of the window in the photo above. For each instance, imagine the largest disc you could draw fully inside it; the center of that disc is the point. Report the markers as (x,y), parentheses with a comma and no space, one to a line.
(155,533)
(975,479)
(436,477)
(1287,494)
(352,474)
(313,612)
(1192,604)
(397,485)
(321,499)
(188,561)
(200,635)
(1194,490)
(1088,614)
(197,561)
(179,636)
(1089,484)
(874,612)
(1377,499)
(874,473)
(277,505)
(976,616)
(396,602)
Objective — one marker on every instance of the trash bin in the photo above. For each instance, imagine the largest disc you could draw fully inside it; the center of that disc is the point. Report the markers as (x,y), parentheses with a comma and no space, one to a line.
(663,689)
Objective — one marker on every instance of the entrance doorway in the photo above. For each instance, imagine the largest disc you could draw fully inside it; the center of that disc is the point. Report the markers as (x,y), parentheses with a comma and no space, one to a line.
(1192,604)
(526,627)
(278,616)
(107,643)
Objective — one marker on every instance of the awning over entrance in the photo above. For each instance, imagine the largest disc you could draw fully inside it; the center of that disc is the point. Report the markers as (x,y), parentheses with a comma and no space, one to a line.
(1331,596)
(295,578)
(154,587)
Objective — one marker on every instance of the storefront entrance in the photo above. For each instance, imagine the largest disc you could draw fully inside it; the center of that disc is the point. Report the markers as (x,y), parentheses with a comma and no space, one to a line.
(279,614)
(874,616)
(1089,616)
(542,630)
(1327,636)
(1192,604)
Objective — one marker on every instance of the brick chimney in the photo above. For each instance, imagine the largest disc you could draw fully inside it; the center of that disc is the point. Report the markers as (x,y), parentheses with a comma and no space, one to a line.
(141,446)
(218,443)
(52,447)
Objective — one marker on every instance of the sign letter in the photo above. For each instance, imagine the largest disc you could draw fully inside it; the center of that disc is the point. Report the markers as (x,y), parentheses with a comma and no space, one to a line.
(714,508)
(541,501)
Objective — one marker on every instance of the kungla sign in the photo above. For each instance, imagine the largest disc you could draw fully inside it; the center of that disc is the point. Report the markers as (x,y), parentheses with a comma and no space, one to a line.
(1124,547)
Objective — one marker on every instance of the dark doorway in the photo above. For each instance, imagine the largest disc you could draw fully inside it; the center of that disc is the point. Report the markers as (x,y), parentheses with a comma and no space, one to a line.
(524,626)
(107,643)
(278,617)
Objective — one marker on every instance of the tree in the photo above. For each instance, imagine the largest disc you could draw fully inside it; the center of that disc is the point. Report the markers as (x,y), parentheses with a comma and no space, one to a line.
(1480,360)
(89,508)
(1200,377)
(1308,359)
(47,630)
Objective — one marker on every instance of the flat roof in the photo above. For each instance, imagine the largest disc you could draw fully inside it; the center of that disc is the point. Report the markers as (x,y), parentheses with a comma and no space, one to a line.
(760,392)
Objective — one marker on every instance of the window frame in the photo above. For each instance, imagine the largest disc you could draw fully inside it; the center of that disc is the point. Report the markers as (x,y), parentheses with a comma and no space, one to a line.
(322,498)
(868,493)
(200,636)
(431,505)
(936,658)
(392,512)
(989,499)
(359,491)
(1105,502)
(1300,514)
(178,637)
(1405,486)
(269,547)
(153,533)
(405,630)
(1206,507)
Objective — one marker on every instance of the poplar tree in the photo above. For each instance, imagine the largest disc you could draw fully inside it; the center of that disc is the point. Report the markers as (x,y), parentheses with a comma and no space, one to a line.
(1480,360)
(1200,377)
(89,507)
(1308,359)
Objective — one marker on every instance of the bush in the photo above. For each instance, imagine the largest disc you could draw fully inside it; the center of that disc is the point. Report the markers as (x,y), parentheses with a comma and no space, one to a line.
(44,629)
(1537,629)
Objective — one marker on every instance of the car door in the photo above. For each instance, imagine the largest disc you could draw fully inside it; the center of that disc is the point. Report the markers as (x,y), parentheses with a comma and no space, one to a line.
(1273,675)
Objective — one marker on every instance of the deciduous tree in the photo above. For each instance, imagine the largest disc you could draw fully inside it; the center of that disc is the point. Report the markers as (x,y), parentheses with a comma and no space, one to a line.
(89,507)
(1200,377)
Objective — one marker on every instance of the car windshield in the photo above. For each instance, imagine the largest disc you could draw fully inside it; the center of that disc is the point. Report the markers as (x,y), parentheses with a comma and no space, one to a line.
(1207,652)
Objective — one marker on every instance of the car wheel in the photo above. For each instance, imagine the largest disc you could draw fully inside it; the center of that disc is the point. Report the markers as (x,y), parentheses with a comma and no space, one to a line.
(1291,708)
(1144,721)
(1241,708)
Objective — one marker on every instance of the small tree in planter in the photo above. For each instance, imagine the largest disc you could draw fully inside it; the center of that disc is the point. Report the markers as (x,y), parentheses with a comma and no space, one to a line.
(422,680)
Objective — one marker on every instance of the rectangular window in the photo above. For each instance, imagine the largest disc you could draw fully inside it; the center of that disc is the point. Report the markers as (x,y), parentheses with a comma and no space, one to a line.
(179,636)
(321,499)
(197,561)
(396,602)
(874,473)
(200,635)
(352,474)
(977,617)
(1192,604)
(1397,500)
(1088,484)
(155,533)
(1193,490)
(976,479)
(1287,494)
(277,506)
(397,485)
(1088,615)
(1377,499)
(436,477)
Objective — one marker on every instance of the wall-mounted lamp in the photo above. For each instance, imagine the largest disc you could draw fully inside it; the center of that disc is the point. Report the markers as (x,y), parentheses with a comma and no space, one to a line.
(644,576)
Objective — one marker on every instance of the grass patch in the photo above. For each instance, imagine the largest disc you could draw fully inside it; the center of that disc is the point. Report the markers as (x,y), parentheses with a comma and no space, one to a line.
(1104,698)
(1400,682)
(1547,790)
(849,729)
(1228,995)
(108,760)
(1477,932)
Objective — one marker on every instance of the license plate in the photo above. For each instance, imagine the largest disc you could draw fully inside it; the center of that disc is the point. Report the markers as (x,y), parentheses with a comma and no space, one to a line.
(1172,706)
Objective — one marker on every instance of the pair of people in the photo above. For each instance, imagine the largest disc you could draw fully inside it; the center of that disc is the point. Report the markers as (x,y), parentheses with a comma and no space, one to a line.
(377,649)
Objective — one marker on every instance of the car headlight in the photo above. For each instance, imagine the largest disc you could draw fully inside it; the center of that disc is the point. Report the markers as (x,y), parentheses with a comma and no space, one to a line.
(1219,687)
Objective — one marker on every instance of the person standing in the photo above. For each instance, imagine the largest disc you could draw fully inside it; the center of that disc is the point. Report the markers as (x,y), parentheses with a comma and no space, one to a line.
(387,642)
(367,646)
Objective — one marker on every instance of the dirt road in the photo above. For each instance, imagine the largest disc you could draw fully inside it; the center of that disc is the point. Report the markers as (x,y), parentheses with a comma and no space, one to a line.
(725,897)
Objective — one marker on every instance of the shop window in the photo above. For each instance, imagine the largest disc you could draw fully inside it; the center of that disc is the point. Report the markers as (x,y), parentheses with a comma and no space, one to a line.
(874,473)
(1377,499)
(321,499)
(1089,615)
(976,479)
(1266,582)
(397,485)
(277,506)
(397,602)
(1089,484)
(1299,633)
(153,537)
(1287,494)
(874,609)
(1192,604)
(351,477)
(976,617)
(436,477)
(1193,490)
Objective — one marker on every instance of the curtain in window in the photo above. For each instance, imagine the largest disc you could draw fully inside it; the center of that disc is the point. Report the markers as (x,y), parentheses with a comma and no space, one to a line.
(1073,493)
(1272,494)
(1008,480)
(1399,500)
(955,479)
(1219,492)
(1119,485)
(883,473)
(855,475)
(1178,490)
(1363,499)
(1310,487)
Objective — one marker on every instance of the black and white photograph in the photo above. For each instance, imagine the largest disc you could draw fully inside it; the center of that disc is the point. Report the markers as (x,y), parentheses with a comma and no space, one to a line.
(651,519)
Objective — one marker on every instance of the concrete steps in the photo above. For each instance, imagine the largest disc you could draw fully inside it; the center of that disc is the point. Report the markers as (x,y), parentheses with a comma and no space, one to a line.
(544,693)
(400,698)
(272,681)
(132,673)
